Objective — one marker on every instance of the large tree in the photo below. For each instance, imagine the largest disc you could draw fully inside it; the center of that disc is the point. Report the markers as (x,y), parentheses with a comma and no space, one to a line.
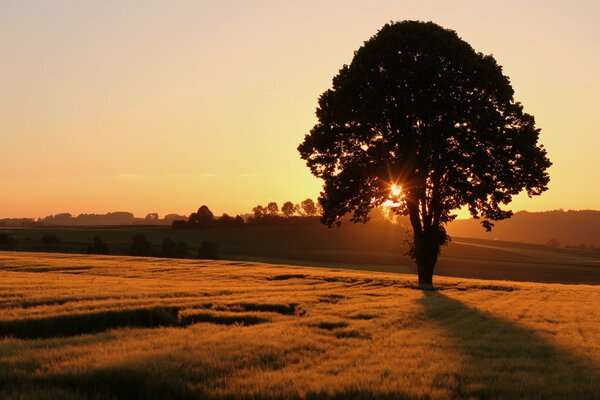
(421,119)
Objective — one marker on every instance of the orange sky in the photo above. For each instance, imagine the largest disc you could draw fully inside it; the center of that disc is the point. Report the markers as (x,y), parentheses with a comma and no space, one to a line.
(159,106)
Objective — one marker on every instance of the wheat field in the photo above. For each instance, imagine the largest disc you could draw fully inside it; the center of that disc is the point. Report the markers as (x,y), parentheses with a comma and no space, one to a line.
(105,327)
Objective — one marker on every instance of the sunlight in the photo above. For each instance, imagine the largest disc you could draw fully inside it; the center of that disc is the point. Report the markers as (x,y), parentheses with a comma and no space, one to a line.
(395,190)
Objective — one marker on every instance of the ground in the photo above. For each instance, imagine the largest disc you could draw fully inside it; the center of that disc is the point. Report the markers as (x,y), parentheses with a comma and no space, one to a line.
(105,327)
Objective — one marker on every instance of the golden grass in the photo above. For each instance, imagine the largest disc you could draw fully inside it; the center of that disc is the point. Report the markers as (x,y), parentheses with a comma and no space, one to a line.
(102,327)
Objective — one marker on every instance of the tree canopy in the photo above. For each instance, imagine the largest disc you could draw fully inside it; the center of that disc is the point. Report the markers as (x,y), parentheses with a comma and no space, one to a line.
(422,121)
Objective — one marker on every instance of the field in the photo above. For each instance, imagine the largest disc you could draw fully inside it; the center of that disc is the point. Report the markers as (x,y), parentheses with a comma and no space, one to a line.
(375,247)
(106,327)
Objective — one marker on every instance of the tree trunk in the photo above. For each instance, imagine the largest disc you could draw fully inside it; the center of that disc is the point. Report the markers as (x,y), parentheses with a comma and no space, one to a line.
(426,253)
(425,273)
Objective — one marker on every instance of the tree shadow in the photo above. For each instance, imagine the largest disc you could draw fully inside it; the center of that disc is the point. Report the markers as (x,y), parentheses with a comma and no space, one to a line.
(505,360)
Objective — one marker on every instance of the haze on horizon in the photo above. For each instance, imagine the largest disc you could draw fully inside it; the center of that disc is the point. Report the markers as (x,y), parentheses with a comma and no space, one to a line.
(163,106)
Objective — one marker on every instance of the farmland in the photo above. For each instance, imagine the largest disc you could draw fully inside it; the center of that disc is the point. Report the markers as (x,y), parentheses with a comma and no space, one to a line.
(375,247)
(104,327)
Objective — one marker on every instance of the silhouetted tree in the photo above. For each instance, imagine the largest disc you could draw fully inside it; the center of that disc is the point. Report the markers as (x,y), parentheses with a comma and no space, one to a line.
(272,208)
(152,216)
(309,207)
(259,211)
(203,218)
(288,209)
(171,249)
(140,246)
(98,247)
(239,221)
(226,220)
(208,251)
(420,109)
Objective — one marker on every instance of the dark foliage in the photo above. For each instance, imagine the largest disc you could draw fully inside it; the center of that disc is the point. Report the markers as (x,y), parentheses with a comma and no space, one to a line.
(140,246)
(202,219)
(7,242)
(172,249)
(288,209)
(98,247)
(208,251)
(419,108)
(309,207)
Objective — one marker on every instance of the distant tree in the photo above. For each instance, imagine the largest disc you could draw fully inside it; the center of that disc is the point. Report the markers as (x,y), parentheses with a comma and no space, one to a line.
(208,251)
(272,208)
(140,246)
(171,249)
(152,216)
(421,119)
(553,243)
(309,207)
(239,221)
(288,209)
(205,216)
(259,211)
(226,220)
(98,247)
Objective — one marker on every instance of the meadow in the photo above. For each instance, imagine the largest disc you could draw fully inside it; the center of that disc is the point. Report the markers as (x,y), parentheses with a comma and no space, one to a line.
(110,327)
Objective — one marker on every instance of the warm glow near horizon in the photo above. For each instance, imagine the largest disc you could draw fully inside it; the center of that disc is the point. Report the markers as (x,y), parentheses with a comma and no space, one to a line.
(165,106)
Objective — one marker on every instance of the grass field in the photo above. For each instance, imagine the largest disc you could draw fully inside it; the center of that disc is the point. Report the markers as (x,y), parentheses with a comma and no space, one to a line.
(105,327)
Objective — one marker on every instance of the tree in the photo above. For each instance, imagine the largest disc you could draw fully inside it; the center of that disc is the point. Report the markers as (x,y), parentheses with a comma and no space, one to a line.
(99,247)
(259,211)
(288,209)
(309,207)
(203,218)
(140,246)
(170,249)
(272,208)
(422,120)
(152,216)
(208,251)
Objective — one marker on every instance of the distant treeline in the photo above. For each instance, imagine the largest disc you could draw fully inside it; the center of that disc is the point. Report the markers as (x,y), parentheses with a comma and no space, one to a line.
(559,228)
(270,215)
(111,218)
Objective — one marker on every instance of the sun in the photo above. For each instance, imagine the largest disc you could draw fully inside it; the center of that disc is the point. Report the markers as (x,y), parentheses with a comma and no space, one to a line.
(395,190)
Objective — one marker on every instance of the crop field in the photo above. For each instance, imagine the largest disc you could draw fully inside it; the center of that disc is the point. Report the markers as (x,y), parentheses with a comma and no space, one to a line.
(108,327)
(375,247)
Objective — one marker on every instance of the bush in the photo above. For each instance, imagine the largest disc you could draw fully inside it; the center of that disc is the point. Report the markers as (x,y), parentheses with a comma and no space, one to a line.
(99,247)
(208,251)
(140,246)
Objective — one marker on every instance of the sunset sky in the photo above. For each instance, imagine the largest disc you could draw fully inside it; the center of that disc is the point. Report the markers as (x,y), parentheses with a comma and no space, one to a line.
(161,106)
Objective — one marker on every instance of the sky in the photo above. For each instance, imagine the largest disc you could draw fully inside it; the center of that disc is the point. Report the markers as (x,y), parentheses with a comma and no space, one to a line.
(162,106)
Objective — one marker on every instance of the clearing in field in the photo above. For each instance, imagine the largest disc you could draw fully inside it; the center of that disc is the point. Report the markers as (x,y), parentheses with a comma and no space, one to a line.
(103,327)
